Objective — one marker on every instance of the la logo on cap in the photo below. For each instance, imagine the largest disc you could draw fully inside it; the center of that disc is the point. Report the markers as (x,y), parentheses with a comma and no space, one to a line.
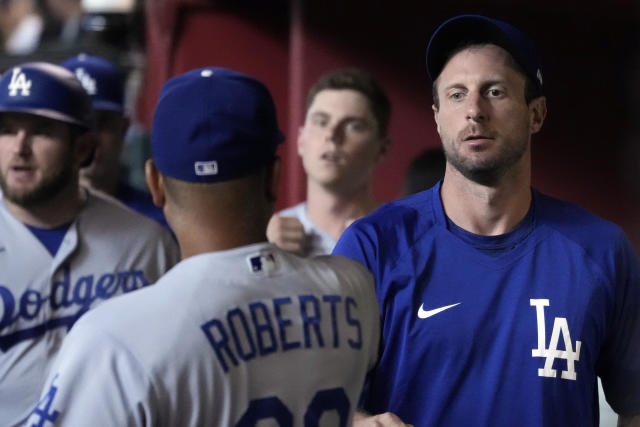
(19,82)
(88,82)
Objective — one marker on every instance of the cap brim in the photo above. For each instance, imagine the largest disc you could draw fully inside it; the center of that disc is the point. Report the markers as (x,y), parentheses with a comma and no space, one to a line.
(50,114)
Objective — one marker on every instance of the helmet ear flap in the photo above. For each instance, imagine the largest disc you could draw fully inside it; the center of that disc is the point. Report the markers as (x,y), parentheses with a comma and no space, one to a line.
(46,90)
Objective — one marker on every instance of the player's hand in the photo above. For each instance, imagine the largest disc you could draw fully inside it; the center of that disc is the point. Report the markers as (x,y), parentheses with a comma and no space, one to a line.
(287,233)
(387,419)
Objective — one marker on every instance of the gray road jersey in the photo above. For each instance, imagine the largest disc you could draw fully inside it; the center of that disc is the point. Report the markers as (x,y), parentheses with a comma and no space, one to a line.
(225,338)
(108,250)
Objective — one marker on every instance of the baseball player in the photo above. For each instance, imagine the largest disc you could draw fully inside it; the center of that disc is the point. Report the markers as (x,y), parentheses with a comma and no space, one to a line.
(63,250)
(501,305)
(239,331)
(105,84)
(343,137)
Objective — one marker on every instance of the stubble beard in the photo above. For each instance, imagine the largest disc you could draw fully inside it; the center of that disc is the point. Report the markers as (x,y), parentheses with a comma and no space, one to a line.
(490,171)
(45,191)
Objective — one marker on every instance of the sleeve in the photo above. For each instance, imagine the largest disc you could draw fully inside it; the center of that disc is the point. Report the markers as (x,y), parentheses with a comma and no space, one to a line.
(94,381)
(620,363)
(354,243)
(357,245)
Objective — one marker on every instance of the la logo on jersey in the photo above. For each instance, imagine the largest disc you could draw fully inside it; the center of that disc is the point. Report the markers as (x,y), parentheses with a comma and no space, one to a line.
(552,352)
(19,83)
(88,82)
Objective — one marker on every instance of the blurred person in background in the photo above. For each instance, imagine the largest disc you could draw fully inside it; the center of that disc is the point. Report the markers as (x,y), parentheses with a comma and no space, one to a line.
(68,15)
(424,171)
(343,137)
(21,26)
(105,83)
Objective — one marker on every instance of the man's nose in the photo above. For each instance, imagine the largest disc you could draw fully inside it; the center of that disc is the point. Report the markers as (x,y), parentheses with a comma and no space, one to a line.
(335,133)
(476,107)
(23,142)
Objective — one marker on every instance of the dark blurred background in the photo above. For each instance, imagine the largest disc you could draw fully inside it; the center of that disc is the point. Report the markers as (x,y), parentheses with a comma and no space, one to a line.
(587,152)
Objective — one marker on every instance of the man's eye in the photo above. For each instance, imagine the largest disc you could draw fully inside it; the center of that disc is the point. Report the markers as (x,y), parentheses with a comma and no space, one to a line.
(456,96)
(356,126)
(495,93)
(319,121)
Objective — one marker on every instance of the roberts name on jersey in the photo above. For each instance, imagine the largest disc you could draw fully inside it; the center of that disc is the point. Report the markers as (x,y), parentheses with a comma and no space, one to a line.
(284,324)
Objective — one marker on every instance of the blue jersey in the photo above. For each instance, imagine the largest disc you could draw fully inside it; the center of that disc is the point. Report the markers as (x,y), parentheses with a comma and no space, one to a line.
(504,330)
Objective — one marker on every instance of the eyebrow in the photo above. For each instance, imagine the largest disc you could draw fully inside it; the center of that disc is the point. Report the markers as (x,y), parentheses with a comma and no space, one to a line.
(484,84)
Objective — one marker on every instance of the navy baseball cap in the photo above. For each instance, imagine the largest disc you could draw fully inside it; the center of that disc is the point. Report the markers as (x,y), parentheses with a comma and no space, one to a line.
(101,79)
(213,124)
(469,29)
(46,90)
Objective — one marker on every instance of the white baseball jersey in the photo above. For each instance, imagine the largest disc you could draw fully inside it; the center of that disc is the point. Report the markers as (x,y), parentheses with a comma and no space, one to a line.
(319,242)
(107,250)
(225,338)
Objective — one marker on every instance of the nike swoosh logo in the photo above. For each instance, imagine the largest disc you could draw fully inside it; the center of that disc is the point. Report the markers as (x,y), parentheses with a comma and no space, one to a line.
(423,314)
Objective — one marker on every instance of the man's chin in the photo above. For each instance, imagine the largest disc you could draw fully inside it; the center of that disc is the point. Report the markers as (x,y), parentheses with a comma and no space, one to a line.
(22,198)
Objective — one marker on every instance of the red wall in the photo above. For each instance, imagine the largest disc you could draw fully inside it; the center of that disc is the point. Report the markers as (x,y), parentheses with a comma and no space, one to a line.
(587,151)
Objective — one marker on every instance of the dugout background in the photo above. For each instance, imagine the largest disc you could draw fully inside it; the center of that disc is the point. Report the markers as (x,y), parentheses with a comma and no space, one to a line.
(588,150)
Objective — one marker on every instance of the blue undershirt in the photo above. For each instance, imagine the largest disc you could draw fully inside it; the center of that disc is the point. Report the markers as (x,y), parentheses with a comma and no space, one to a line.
(51,238)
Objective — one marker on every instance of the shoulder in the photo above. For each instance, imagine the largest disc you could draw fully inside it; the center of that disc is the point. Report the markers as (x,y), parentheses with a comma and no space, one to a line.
(107,212)
(391,230)
(576,223)
(409,212)
(139,320)
(341,265)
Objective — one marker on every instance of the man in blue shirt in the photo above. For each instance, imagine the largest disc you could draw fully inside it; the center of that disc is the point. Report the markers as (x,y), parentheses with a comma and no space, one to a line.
(500,306)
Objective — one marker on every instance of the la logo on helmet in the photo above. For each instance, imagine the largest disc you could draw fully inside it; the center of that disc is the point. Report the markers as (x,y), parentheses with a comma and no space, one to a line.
(88,82)
(20,83)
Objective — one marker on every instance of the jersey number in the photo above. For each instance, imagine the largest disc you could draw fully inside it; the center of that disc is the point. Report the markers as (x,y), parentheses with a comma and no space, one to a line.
(272,407)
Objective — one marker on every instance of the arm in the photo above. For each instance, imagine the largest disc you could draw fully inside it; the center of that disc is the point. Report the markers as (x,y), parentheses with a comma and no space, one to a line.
(287,233)
(621,356)
(93,378)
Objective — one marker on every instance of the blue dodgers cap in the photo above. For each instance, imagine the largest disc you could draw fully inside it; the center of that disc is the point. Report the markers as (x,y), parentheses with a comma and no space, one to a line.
(46,90)
(213,124)
(470,29)
(101,79)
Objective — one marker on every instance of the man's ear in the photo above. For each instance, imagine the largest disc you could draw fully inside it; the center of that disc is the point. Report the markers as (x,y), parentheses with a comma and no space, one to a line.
(538,112)
(272,179)
(300,141)
(84,149)
(155,183)
(435,116)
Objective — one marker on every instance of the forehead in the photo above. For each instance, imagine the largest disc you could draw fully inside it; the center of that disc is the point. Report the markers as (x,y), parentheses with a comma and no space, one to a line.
(341,102)
(488,62)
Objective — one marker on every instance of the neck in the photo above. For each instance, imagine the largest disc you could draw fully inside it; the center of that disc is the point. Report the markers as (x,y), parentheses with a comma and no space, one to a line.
(485,210)
(333,211)
(203,232)
(54,212)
